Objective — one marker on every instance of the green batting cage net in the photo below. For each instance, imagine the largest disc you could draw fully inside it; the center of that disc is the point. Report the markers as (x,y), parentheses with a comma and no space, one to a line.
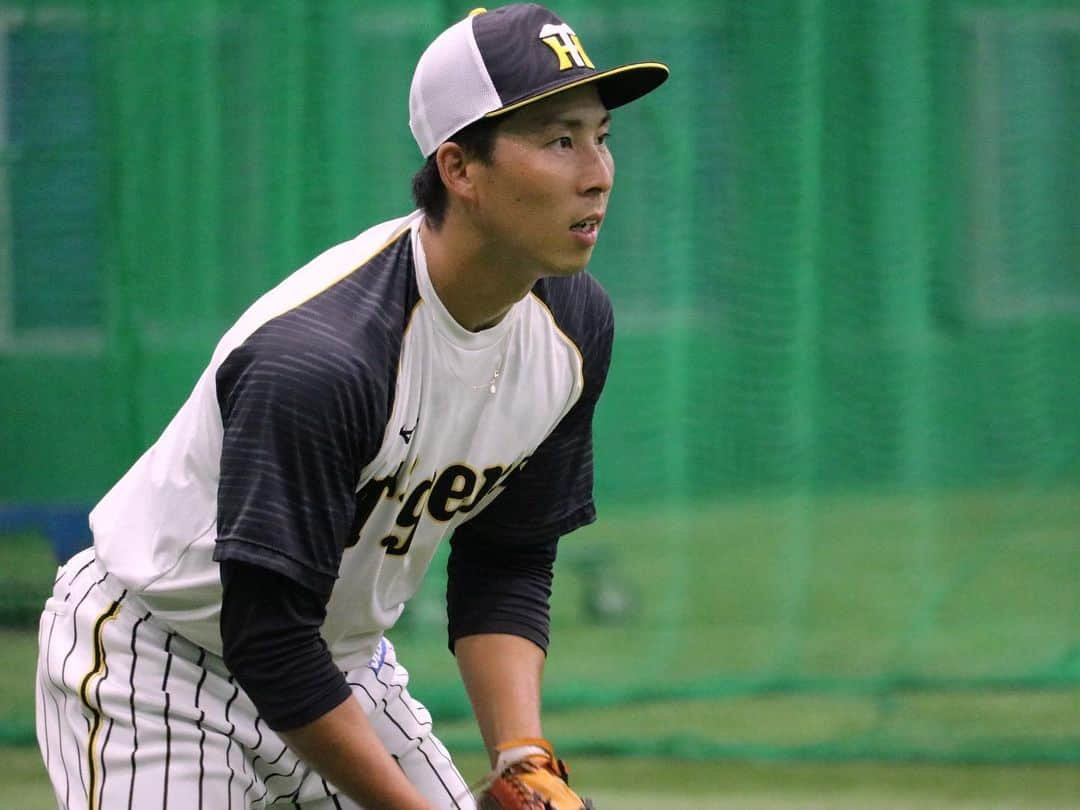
(839,451)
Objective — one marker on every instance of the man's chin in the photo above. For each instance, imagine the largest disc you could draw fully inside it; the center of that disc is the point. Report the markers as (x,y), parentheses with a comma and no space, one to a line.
(574,270)
(571,267)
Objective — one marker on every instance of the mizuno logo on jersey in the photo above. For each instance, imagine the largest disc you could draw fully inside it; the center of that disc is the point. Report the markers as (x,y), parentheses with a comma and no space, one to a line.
(566,45)
(455,490)
(406,435)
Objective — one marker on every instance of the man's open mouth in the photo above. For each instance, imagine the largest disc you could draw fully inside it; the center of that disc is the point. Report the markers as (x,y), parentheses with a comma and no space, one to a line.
(586,225)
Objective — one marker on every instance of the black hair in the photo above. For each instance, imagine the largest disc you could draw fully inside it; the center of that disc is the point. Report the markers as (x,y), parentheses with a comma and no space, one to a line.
(477,140)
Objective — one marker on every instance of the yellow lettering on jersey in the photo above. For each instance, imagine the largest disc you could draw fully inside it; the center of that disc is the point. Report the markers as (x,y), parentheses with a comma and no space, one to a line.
(456,489)
(408,518)
(454,486)
(492,476)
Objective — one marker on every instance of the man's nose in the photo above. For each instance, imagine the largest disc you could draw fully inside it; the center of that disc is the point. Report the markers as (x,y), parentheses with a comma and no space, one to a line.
(598,174)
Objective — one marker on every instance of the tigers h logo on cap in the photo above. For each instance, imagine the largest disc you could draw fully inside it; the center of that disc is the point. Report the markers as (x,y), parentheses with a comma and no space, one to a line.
(496,61)
(566,45)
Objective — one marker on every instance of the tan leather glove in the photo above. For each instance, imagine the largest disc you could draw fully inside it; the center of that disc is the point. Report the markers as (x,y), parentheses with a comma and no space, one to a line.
(528,776)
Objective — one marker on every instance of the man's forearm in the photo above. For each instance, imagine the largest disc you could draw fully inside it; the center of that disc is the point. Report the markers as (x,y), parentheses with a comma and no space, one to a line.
(502,675)
(343,747)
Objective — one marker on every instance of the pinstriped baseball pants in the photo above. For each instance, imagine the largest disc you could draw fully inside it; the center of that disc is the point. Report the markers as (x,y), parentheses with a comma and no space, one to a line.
(130,715)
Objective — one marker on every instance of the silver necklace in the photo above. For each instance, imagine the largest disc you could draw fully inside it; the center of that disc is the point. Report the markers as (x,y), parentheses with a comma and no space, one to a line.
(492,384)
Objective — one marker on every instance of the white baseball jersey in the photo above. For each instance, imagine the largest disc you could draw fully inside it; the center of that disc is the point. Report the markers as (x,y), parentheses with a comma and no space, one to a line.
(345,425)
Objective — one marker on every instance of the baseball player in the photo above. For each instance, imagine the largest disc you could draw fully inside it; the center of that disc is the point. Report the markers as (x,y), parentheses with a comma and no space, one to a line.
(223,644)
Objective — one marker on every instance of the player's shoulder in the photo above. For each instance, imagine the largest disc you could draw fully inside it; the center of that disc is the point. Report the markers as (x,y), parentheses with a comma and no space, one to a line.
(356,284)
(580,307)
(577,302)
(339,320)
(364,262)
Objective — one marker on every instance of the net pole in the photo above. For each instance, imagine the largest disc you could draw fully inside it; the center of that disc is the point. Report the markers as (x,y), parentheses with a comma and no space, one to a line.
(209,214)
(124,91)
(283,69)
(783,188)
(901,204)
(804,405)
(677,347)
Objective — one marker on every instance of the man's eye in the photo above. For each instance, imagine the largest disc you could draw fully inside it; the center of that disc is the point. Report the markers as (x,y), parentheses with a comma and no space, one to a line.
(564,142)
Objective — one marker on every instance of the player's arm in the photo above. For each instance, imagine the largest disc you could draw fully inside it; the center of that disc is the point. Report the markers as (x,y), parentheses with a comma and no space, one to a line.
(498,593)
(270,629)
(342,746)
(502,675)
(300,419)
(497,599)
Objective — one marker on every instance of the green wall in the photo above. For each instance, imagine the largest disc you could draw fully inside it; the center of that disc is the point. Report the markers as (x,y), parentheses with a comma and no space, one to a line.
(843,245)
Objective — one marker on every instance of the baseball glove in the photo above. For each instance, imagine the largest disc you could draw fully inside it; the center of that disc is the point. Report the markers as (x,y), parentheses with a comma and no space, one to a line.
(527,776)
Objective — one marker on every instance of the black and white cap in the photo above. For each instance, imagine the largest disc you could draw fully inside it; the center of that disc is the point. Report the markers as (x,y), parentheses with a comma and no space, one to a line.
(495,61)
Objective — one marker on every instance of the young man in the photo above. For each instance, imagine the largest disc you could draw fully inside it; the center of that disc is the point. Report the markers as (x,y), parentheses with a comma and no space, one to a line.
(222,644)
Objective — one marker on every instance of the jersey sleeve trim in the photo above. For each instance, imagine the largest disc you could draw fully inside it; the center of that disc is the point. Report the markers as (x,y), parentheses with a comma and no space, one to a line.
(403,229)
(582,516)
(239,549)
(577,349)
(400,231)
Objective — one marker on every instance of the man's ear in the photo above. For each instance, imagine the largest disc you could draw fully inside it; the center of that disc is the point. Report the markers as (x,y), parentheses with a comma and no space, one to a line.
(455,169)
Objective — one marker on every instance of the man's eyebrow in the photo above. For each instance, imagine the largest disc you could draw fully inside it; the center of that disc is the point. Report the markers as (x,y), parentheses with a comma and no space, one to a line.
(571,123)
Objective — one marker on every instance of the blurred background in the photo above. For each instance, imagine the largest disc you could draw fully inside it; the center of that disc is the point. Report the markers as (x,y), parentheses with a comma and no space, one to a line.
(838,458)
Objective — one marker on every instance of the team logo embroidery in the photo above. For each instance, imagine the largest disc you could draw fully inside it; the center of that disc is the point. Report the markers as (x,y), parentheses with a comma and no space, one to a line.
(566,45)
(458,488)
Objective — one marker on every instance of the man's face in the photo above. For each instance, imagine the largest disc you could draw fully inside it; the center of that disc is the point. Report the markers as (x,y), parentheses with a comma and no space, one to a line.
(542,198)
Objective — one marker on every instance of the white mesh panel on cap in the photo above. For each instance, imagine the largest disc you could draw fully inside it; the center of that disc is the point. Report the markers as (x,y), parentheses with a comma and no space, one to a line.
(450,88)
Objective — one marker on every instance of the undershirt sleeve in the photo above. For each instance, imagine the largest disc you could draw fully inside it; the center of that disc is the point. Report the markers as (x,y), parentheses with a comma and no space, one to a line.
(498,585)
(270,629)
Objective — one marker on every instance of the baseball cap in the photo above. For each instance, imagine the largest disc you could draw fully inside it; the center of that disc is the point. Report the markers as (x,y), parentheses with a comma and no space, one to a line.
(496,61)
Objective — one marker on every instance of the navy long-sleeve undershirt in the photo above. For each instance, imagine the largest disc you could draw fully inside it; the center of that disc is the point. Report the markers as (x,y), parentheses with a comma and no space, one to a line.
(270,623)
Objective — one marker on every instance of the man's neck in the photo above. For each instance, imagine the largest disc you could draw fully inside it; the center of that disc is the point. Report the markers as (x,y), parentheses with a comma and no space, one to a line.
(476,288)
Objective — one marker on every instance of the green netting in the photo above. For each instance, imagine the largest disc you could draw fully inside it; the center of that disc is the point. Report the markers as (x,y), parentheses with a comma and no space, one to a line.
(839,453)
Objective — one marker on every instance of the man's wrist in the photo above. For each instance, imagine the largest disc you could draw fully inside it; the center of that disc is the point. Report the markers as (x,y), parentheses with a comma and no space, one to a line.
(514,751)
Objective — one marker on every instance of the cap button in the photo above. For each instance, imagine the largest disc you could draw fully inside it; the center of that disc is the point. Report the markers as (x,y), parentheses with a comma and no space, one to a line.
(476,11)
